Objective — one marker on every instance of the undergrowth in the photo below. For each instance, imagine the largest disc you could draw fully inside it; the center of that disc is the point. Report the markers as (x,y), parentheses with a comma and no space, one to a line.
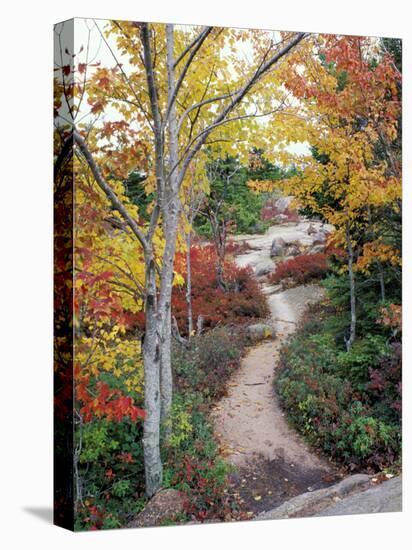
(348,404)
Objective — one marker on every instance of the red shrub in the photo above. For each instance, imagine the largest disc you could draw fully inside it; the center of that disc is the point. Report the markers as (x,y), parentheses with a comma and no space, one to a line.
(237,247)
(269,212)
(292,215)
(241,301)
(301,269)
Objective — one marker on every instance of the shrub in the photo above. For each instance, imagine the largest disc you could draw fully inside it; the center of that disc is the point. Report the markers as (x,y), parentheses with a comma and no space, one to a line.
(209,362)
(241,302)
(195,468)
(234,248)
(347,404)
(192,462)
(111,474)
(302,269)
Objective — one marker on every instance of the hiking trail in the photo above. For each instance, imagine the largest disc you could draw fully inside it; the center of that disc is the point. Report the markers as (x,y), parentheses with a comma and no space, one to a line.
(272,461)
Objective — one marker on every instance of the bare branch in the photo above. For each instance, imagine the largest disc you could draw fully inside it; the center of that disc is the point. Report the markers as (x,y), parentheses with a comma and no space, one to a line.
(158,128)
(151,80)
(188,48)
(201,104)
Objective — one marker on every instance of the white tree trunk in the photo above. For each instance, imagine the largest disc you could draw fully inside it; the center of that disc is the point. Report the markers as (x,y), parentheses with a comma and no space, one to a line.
(151,359)
(170,211)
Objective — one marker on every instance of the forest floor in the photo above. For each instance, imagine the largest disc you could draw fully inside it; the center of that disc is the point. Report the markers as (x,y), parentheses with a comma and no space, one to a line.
(272,462)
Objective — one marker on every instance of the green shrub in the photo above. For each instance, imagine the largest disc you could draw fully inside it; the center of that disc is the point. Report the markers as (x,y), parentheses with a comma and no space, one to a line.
(110,472)
(209,362)
(191,456)
(346,403)
(192,463)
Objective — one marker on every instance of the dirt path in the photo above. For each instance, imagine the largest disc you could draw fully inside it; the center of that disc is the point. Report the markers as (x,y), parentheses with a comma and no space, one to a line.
(272,461)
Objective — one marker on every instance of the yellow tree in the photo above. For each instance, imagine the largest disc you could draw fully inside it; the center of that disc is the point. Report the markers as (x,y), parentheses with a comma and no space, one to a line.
(347,107)
(184,88)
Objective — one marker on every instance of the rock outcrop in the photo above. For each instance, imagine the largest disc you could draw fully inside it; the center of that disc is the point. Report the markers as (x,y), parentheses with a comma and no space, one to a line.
(165,505)
(278,247)
(386,497)
(353,495)
(260,331)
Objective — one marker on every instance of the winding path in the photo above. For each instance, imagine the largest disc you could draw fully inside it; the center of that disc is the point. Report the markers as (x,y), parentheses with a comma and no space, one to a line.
(272,461)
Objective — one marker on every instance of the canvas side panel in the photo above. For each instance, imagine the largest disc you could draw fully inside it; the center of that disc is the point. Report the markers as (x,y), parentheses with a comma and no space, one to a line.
(64,491)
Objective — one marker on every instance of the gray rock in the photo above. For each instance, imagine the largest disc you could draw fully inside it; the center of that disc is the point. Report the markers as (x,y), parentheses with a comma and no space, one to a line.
(311,230)
(163,506)
(318,248)
(386,497)
(264,268)
(292,250)
(278,247)
(283,203)
(319,237)
(312,502)
(260,331)
(257,228)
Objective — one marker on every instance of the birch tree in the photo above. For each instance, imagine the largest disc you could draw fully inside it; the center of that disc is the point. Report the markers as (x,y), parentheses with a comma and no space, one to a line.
(186,93)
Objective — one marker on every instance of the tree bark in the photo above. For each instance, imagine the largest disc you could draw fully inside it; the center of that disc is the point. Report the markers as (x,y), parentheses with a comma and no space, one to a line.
(221,253)
(151,360)
(170,211)
(352,328)
(382,281)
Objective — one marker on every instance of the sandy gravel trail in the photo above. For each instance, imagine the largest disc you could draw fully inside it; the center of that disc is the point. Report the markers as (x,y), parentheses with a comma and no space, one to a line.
(273,462)
(249,420)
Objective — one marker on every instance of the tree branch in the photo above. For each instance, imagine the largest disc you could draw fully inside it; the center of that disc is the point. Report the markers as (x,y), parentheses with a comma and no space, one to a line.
(260,71)
(188,48)
(158,127)
(201,104)
(105,187)
(202,37)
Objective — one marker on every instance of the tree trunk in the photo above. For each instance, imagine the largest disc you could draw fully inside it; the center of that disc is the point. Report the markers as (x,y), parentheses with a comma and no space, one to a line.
(221,253)
(151,360)
(382,282)
(381,276)
(219,238)
(189,285)
(170,211)
(352,328)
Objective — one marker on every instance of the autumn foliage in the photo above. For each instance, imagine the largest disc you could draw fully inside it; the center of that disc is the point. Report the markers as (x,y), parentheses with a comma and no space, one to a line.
(240,303)
(129,219)
(301,269)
